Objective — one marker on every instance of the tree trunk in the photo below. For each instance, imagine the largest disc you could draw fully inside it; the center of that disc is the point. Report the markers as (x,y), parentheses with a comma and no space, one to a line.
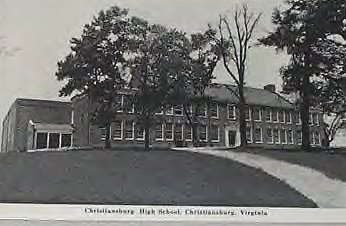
(242,118)
(194,126)
(108,136)
(305,114)
(147,137)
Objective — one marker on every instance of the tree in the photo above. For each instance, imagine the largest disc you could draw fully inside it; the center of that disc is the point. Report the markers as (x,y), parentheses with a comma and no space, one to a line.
(161,57)
(300,30)
(189,89)
(97,64)
(234,49)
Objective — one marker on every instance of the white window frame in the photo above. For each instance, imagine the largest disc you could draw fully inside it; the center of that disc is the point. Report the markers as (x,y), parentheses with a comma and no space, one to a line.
(121,132)
(47,141)
(182,131)
(217,111)
(160,112)
(138,138)
(285,136)
(206,133)
(272,135)
(299,141)
(205,112)
(251,135)
(298,118)
(182,111)
(162,131)
(311,119)
(279,135)
(292,136)
(133,131)
(319,138)
(289,114)
(170,110)
(283,116)
(261,134)
(277,116)
(249,110)
(121,104)
(218,134)
(191,131)
(260,115)
(233,106)
(270,115)
(165,137)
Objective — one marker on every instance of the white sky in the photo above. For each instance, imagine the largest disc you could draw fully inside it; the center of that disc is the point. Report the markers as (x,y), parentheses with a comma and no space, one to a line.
(41,30)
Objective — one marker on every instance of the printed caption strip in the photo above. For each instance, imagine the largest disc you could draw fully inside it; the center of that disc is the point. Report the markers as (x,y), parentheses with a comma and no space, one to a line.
(169,213)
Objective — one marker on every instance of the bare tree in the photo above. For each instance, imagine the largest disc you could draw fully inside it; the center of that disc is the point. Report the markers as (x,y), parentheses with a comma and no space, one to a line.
(235,37)
(330,129)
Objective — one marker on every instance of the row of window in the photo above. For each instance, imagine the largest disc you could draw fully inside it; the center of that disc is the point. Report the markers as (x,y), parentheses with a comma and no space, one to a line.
(44,140)
(271,115)
(128,130)
(279,136)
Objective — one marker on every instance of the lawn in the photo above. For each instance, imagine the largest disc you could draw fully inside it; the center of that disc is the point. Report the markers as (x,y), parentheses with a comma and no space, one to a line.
(331,164)
(139,178)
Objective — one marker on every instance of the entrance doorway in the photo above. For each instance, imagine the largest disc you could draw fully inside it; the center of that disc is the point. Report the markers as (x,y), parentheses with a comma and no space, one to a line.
(232,138)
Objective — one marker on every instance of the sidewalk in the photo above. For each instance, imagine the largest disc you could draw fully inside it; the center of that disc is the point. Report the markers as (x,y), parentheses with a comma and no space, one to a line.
(325,192)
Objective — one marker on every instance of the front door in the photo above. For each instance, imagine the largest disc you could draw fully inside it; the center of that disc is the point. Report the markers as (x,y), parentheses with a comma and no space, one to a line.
(232,138)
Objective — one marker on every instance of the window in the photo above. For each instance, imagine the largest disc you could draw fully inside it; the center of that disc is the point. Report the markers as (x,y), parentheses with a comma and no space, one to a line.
(289,117)
(282,116)
(202,111)
(214,110)
(312,138)
(169,110)
(188,135)
(270,135)
(249,134)
(159,111)
(275,115)
(103,133)
(248,113)
(140,133)
(257,114)
(298,118)
(129,130)
(203,132)
(66,140)
(315,119)
(178,132)
(119,102)
(128,105)
(310,119)
(317,138)
(118,130)
(299,137)
(54,140)
(159,131)
(276,136)
(269,115)
(41,140)
(290,136)
(178,110)
(169,131)
(258,135)
(214,133)
(231,112)
(283,136)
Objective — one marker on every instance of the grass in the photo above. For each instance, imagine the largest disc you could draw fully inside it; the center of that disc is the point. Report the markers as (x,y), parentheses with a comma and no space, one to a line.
(139,178)
(331,163)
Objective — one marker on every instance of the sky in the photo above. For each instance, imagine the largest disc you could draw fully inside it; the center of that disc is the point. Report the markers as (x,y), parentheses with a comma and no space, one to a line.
(35,35)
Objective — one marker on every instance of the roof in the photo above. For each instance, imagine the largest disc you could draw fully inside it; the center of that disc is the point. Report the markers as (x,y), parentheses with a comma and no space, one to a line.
(25,101)
(253,96)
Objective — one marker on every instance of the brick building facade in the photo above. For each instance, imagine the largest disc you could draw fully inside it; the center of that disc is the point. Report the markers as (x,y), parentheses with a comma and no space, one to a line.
(271,121)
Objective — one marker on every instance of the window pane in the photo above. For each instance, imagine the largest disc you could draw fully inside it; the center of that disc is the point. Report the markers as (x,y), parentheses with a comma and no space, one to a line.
(128,130)
(268,115)
(203,132)
(257,114)
(275,115)
(258,135)
(317,138)
(276,135)
(290,136)
(188,129)
(169,110)
(248,134)
(283,136)
(288,117)
(214,133)
(139,132)
(213,110)
(54,140)
(282,116)
(248,113)
(117,132)
(178,110)
(66,140)
(169,131)
(231,112)
(270,135)
(41,140)
(178,132)
(202,111)
(158,131)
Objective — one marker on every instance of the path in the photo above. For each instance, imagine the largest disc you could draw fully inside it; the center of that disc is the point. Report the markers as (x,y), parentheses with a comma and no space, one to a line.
(324,191)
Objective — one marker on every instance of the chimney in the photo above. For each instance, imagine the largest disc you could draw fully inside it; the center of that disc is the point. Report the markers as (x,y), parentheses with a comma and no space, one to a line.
(270,88)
